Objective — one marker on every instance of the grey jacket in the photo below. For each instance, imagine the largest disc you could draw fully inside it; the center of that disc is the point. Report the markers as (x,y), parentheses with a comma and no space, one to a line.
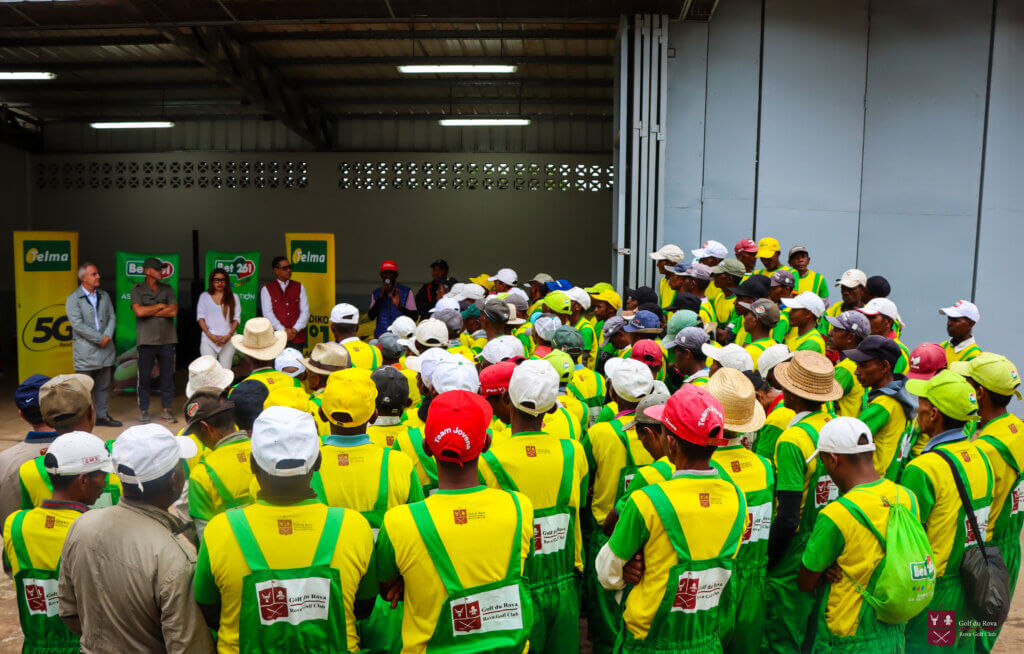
(86,351)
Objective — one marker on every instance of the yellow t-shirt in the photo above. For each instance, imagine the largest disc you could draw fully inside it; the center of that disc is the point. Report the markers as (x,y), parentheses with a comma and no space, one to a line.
(385,435)
(287,536)
(812,341)
(562,424)
(414,388)
(852,401)
(363,355)
(607,458)
(273,379)
(755,348)
(534,462)
(35,486)
(476,526)
(577,409)
(351,476)
(999,437)
(43,530)
(885,416)
(230,462)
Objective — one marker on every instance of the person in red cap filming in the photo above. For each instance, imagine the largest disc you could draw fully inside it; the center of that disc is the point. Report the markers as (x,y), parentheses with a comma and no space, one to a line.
(391,300)
(457,557)
(683,533)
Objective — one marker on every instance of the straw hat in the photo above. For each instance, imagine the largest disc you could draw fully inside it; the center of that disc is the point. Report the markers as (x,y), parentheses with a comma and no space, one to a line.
(259,340)
(327,358)
(809,375)
(207,371)
(743,413)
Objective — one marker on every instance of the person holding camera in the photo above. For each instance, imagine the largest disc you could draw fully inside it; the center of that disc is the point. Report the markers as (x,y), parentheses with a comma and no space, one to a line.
(391,300)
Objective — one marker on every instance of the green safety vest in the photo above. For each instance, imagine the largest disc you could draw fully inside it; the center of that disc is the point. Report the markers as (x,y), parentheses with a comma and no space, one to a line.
(428,462)
(293,609)
(374,516)
(494,617)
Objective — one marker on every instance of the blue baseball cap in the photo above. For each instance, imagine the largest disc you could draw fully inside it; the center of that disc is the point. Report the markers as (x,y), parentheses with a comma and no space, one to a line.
(680,267)
(644,321)
(27,394)
(558,285)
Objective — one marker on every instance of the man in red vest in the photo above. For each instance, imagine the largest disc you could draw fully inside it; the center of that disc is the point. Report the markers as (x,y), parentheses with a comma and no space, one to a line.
(285,305)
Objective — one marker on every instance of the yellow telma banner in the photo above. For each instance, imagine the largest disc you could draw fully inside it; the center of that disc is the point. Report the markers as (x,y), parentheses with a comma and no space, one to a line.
(45,267)
(312,258)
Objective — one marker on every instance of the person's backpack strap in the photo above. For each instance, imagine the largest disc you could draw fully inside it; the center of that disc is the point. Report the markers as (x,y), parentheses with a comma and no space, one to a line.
(859,516)
(500,474)
(965,500)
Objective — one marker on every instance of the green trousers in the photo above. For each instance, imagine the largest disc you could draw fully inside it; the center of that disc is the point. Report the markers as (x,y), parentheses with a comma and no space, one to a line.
(381,631)
(556,617)
(743,610)
(789,611)
(1010,548)
(949,596)
(603,607)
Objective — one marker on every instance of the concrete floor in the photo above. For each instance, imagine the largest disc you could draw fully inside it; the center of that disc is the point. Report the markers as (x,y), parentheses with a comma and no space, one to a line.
(125,409)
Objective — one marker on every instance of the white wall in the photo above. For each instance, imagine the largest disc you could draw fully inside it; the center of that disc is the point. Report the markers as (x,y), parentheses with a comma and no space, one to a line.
(871,117)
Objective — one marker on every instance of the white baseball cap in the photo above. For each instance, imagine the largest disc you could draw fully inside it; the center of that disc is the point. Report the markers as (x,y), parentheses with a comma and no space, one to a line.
(455,374)
(806,300)
(844,435)
(545,326)
(668,252)
(284,441)
(445,303)
(577,294)
(467,292)
(853,278)
(711,249)
(729,356)
(883,306)
(146,452)
(79,452)
(345,314)
(772,356)
(290,358)
(506,275)
(533,388)
(426,362)
(502,348)
(519,292)
(631,379)
(962,309)
(403,327)
(431,333)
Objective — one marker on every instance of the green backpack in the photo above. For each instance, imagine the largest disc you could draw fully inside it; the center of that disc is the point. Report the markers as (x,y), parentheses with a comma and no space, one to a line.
(905,583)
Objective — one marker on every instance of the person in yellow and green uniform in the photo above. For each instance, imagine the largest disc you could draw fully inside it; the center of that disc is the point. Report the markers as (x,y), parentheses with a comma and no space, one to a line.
(755,477)
(691,282)
(359,475)
(613,456)
(616,341)
(890,409)
(324,359)
(926,361)
(221,480)
(494,381)
(960,321)
(851,287)
(260,345)
(885,321)
(649,353)
(652,437)
(287,573)
(584,384)
(676,542)
(77,464)
(769,394)
(606,303)
(710,254)
(946,403)
(779,288)
(803,487)
(847,545)
(1000,437)
(665,257)
(552,472)
(344,320)
(727,276)
(688,355)
(65,403)
(761,317)
(679,321)
(746,251)
(577,408)
(846,332)
(410,442)
(429,553)
(754,288)
(768,251)
(392,401)
(578,319)
(806,279)
(393,353)
(804,312)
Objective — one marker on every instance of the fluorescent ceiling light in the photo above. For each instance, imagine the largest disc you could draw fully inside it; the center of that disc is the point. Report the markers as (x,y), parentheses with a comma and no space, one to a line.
(27,75)
(141,124)
(483,122)
(457,68)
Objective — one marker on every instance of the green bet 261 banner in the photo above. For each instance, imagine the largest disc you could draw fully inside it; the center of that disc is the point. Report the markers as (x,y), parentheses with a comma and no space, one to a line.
(130,273)
(241,267)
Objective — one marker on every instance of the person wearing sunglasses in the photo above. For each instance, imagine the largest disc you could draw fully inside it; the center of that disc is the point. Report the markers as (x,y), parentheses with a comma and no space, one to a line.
(218,313)
(284,303)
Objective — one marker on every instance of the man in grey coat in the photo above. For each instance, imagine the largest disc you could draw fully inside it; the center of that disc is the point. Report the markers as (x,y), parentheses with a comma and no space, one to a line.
(91,314)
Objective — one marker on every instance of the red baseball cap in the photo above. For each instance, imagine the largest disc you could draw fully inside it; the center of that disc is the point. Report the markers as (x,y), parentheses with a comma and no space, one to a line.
(388,265)
(691,414)
(926,360)
(495,379)
(745,245)
(647,352)
(456,428)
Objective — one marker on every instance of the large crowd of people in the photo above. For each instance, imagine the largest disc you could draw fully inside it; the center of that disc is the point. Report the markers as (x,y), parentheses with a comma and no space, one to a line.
(727,463)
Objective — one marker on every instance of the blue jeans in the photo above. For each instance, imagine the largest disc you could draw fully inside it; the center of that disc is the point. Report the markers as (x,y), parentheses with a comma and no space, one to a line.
(164,356)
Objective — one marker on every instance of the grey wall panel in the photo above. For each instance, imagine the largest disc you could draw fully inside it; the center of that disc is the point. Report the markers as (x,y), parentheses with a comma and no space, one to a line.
(684,138)
(1002,215)
(927,72)
(15,205)
(811,125)
(734,37)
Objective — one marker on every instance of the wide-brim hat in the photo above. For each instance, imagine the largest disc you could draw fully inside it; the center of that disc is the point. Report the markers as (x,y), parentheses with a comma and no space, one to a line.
(259,340)
(326,358)
(809,375)
(207,371)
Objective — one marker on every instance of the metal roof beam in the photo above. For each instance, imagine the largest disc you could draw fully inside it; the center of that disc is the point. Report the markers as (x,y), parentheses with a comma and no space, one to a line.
(101,103)
(181,118)
(429,35)
(19,130)
(82,41)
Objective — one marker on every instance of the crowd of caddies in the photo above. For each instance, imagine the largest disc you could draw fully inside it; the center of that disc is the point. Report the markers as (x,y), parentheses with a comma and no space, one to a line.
(727,463)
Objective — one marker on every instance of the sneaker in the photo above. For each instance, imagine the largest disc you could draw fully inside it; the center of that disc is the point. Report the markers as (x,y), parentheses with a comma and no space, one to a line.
(107,421)
(144,418)
(167,416)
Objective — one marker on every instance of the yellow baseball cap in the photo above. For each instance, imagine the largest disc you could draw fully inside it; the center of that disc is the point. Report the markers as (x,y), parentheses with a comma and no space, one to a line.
(991,371)
(350,397)
(767,246)
(558,302)
(292,397)
(611,297)
(483,280)
(949,392)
